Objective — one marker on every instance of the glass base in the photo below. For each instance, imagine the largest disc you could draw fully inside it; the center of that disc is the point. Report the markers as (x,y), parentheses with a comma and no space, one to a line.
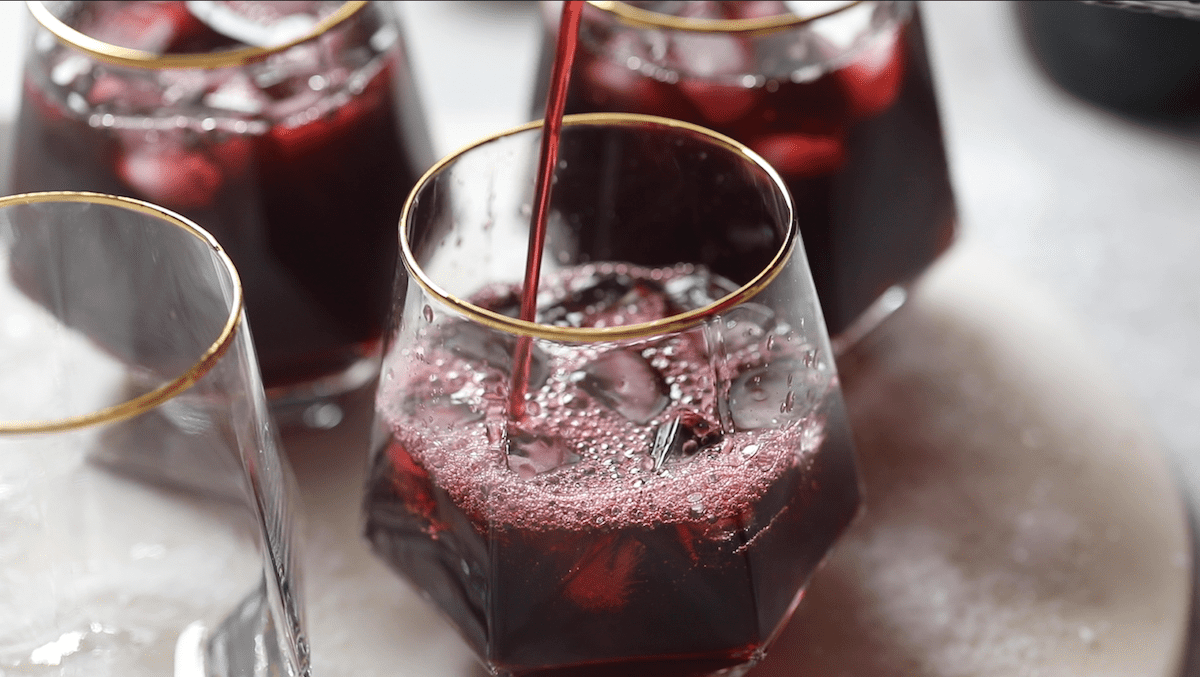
(317,405)
(888,302)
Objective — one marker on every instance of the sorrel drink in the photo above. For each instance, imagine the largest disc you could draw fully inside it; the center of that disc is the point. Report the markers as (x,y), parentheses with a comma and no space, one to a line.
(843,107)
(658,510)
(297,162)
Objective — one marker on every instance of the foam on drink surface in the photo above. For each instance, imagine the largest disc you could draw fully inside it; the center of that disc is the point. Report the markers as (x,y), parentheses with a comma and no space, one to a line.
(690,427)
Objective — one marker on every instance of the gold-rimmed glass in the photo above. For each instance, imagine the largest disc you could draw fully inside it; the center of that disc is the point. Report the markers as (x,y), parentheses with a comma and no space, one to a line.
(145,509)
(683,463)
(837,96)
(291,131)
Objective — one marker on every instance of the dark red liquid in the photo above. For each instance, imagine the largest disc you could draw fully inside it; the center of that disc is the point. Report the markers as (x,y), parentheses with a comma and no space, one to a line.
(659,601)
(576,549)
(860,148)
(306,208)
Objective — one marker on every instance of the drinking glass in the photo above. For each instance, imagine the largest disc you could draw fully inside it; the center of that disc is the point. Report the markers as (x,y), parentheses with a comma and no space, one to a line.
(837,96)
(291,131)
(682,463)
(145,526)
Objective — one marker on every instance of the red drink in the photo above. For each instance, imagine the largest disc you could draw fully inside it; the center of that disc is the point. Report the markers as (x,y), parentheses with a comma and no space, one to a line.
(298,162)
(853,129)
(657,512)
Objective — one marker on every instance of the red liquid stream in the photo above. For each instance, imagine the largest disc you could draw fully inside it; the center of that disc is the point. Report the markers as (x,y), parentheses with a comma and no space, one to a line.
(564,55)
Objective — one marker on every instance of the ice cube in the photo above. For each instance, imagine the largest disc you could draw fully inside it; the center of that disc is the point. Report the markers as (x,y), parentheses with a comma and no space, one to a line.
(533,453)
(802,155)
(501,299)
(712,55)
(479,344)
(170,175)
(626,383)
(590,299)
(696,290)
(182,87)
(765,397)
(259,24)
(444,411)
(238,94)
(746,325)
(683,436)
(124,93)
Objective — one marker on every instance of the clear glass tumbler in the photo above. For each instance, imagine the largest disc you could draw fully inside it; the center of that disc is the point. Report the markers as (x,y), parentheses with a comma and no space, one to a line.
(679,463)
(145,509)
(289,130)
(837,96)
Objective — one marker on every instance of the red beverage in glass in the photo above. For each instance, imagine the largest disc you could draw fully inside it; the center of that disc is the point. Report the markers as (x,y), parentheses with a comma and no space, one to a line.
(297,160)
(843,106)
(622,529)
(680,462)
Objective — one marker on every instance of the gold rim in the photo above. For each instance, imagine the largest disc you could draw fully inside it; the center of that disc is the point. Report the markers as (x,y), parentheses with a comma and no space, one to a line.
(137,58)
(163,393)
(642,18)
(667,325)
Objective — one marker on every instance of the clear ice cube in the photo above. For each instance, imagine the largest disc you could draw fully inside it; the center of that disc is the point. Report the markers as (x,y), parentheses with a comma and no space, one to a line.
(239,95)
(443,411)
(480,344)
(590,297)
(746,325)
(259,24)
(683,436)
(627,384)
(532,453)
(713,55)
(689,292)
(765,397)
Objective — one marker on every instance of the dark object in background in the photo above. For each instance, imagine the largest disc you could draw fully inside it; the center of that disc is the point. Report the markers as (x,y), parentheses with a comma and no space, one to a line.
(1127,59)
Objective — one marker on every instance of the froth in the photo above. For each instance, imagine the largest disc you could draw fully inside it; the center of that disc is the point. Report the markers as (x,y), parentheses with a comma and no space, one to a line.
(585,457)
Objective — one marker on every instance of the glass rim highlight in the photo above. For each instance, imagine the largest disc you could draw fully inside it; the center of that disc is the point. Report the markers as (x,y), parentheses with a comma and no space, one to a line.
(215,351)
(637,17)
(136,58)
(674,323)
